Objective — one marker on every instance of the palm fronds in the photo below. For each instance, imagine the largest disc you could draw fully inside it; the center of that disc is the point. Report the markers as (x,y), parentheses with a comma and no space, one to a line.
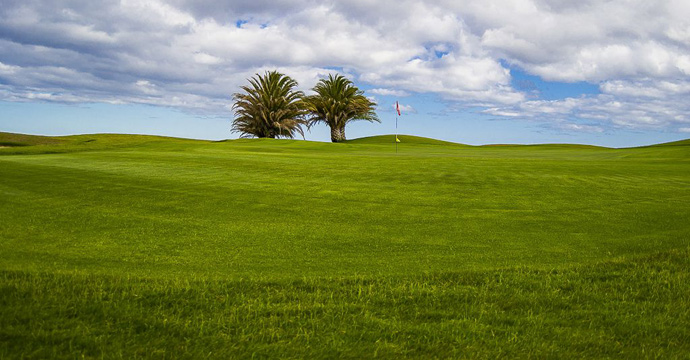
(336,103)
(269,107)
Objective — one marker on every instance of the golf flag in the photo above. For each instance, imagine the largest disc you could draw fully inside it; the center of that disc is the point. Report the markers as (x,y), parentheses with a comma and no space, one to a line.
(397,108)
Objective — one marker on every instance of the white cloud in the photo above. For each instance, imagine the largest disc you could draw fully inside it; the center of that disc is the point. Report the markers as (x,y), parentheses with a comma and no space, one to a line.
(192,54)
(581,128)
(8,69)
(587,41)
(389,92)
(630,104)
(157,11)
(203,58)
(180,51)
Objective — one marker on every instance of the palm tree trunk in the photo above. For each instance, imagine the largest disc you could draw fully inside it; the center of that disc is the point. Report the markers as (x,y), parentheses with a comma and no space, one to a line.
(337,135)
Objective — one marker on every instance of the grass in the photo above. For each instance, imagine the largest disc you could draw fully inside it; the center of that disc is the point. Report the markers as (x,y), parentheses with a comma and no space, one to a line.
(14,140)
(132,246)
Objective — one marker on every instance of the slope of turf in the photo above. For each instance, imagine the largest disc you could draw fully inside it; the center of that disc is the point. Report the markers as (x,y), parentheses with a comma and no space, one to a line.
(685,142)
(407,139)
(13,140)
(269,247)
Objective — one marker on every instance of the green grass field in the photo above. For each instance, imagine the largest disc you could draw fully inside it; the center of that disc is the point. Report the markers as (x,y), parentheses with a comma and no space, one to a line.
(122,246)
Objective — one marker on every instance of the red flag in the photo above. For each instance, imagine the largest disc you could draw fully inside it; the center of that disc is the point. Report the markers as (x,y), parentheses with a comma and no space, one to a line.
(397,107)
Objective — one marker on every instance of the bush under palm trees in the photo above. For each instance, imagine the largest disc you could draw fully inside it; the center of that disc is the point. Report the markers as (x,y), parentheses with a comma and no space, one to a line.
(337,102)
(269,107)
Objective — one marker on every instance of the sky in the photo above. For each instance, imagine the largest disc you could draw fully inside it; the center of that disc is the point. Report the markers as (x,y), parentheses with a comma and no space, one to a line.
(611,73)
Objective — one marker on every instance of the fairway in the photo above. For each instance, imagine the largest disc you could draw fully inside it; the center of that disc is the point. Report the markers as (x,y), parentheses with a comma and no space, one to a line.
(136,246)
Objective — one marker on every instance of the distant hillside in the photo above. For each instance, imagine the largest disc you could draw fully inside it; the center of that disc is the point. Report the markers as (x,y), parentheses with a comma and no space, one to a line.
(685,142)
(11,140)
(21,140)
(548,146)
(408,139)
(11,143)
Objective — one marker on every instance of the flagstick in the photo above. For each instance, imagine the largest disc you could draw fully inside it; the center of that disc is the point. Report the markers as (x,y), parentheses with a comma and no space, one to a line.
(396,131)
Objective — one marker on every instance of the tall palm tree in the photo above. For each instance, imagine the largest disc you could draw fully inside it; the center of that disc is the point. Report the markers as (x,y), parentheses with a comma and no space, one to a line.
(337,102)
(269,107)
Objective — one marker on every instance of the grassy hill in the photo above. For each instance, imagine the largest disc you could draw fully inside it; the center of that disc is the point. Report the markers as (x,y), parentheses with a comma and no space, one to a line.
(131,246)
(407,139)
(14,140)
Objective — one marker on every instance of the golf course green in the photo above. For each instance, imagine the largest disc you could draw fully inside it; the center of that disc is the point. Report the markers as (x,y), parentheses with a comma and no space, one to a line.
(131,246)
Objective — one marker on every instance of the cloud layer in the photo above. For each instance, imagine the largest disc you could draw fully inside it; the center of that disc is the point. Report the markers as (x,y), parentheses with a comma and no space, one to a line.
(193,55)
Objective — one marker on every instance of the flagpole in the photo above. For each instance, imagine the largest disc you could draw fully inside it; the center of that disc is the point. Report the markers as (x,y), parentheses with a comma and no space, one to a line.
(397,114)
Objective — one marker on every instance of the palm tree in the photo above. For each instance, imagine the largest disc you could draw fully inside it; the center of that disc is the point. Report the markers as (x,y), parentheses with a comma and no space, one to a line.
(337,102)
(269,107)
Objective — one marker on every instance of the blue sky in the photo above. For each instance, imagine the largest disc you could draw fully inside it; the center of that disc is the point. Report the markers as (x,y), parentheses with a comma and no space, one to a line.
(475,72)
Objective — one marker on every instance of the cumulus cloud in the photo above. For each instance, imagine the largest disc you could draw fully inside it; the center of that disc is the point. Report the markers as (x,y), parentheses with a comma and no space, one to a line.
(589,40)
(581,127)
(641,104)
(383,92)
(193,55)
